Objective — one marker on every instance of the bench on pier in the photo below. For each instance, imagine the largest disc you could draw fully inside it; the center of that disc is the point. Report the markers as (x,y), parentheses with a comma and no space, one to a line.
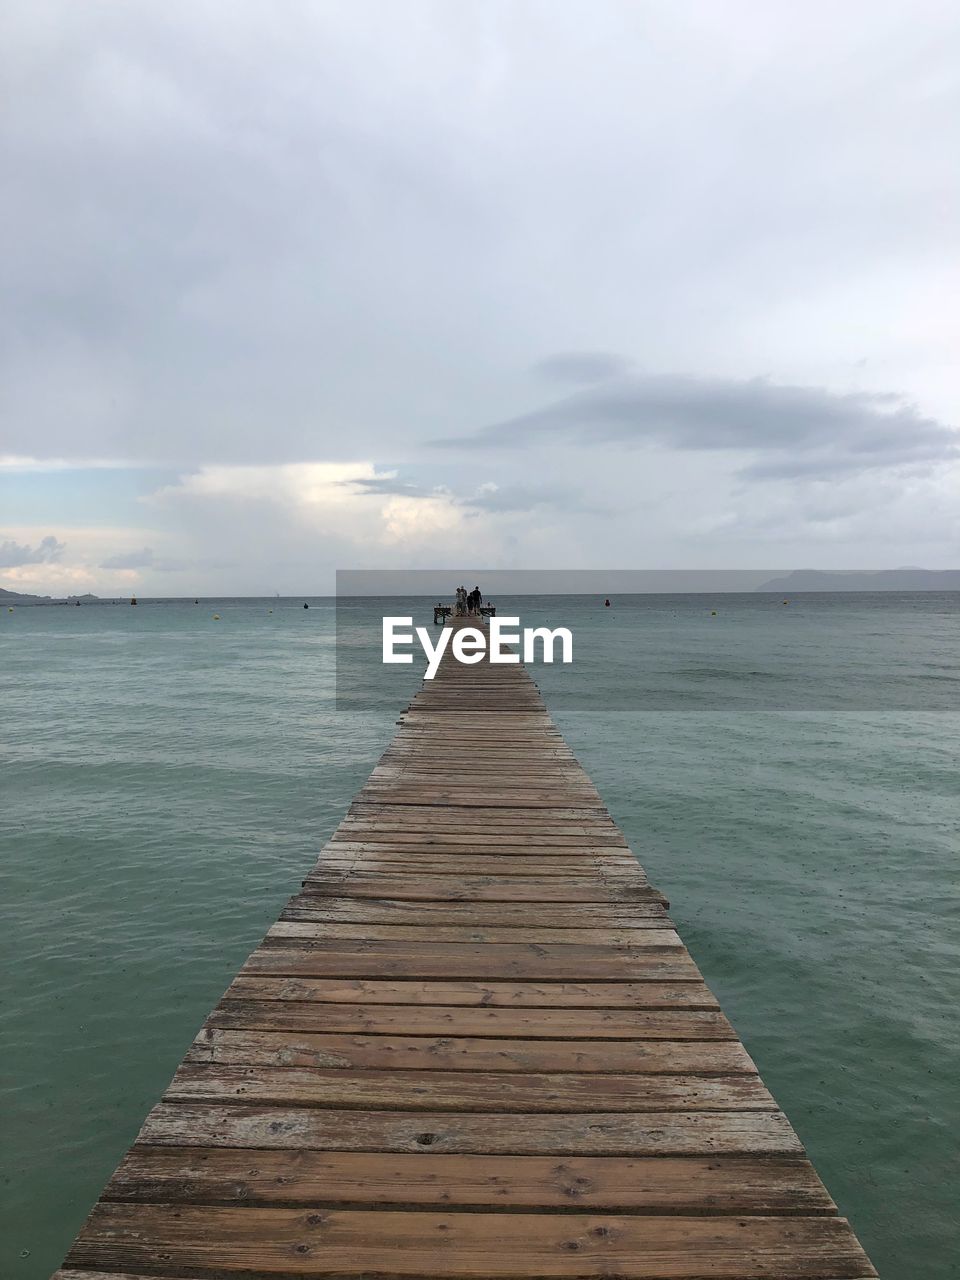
(441,612)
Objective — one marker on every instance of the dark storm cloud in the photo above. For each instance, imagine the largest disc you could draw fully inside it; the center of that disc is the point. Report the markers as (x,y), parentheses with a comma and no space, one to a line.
(14,554)
(808,431)
(583,366)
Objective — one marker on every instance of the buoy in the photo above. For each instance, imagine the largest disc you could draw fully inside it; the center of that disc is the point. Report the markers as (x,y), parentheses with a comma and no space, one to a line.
(606,604)
(713,613)
(216,617)
(306,606)
(786,602)
(269,611)
(10,610)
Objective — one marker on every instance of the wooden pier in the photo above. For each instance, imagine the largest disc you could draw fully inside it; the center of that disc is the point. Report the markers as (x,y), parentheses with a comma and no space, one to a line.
(472,1046)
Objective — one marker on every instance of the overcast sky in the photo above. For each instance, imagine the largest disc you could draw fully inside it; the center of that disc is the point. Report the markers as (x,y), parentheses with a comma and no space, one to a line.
(532,283)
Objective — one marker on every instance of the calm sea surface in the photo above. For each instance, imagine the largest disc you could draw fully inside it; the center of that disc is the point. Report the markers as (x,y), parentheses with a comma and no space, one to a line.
(787,775)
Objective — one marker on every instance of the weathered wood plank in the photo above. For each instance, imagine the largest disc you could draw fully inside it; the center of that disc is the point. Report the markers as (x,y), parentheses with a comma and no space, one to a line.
(492,1133)
(641,915)
(416,1243)
(579,1023)
(465,1053)
(529,1092)
(578,821)
(732,1184)
(548,871)
(479,837)
(414,887)
(505,995)
(308,950)
(517,860)
(656,937)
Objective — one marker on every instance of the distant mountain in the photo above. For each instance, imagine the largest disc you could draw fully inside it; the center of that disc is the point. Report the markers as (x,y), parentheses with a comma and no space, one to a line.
(22,597)
(865,580)
(19,595)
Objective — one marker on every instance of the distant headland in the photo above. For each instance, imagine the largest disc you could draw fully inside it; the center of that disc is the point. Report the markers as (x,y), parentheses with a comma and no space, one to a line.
(865,580)
(21,597)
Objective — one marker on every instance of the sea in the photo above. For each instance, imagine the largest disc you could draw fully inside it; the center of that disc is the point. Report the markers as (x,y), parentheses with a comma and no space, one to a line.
(786,771)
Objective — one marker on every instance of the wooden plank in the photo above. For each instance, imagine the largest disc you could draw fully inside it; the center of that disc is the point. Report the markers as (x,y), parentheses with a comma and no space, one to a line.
(464,1020)
(589,1133)
(504,859)
(554,915)
(485,817)
(510,790)
(539,776)
(513,841)
(550,867)
(307,950)
(470,838)
(529,1092)
(429,766)
(453,799)
(300,922)
(355,1051)
(416,1243)
(733,1184)
(506,995)
(410,887)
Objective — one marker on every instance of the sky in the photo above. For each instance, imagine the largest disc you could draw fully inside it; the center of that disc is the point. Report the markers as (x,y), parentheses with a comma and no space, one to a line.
(364,284)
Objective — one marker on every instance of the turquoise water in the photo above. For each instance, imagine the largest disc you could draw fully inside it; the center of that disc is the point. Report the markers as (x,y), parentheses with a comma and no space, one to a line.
(787,776)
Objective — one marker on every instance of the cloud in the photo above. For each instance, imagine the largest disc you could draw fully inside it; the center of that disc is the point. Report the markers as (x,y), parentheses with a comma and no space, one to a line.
(520,497)
(389,485)
(318,485)
(583,366)
(349,265)
(141,559)
(353,505)
(291,522)
(226,280)
(144,558)
(23,463)
(802,431)
(13,555)
(488,496)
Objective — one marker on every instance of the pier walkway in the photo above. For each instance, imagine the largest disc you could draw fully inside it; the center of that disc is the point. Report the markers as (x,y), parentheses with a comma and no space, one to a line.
(472,1046)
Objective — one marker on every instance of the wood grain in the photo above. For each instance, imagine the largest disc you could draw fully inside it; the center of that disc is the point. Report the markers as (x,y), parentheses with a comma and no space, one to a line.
(416,1243)
(741,1184)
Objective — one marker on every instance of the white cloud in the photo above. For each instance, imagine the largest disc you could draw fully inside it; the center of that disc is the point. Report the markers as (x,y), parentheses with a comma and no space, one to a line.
(356,501)
(52,579)
(77,554)
(11,463)
(419,521)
